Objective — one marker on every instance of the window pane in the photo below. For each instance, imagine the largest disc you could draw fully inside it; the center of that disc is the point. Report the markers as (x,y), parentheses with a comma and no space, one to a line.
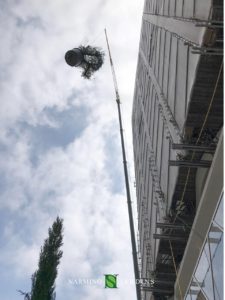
(188,297)
(203,273)
(201,296)
(219,214)
(203,265)
(194,290)
(193,295)
(215,236)
(217,264)
(207,285)
(210,265)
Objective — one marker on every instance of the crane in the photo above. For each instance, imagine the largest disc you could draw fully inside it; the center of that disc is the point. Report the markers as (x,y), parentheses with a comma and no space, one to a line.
(129,205)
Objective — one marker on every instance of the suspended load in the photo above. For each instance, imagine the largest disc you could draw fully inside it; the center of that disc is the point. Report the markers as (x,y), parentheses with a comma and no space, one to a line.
(89,59)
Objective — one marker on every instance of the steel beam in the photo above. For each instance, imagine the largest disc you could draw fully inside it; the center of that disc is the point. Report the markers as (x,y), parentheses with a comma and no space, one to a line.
(170,237)
(170,225)
(190,164)
(158,290)
(209,25)
(163,281)
(165,275)
(167,267)
(207,53)
(201,148)
(152,281)
(167,250)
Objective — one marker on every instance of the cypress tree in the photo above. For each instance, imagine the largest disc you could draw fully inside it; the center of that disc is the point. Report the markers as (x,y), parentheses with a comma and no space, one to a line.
(43,280)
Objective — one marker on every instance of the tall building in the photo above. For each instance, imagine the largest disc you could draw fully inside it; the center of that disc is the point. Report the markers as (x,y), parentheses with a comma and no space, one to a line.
(177,125)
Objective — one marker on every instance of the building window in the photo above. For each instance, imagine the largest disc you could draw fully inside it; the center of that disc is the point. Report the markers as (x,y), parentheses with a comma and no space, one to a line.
(207,280)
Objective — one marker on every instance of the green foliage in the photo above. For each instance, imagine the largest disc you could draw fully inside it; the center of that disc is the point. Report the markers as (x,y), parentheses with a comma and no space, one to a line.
(43,280)
(93,60)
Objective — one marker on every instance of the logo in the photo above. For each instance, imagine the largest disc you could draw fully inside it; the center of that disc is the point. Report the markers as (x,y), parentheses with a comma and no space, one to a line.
(111,281)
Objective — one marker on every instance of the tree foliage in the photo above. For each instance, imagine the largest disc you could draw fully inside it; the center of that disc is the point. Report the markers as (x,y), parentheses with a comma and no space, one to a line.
(43,280)
(26,295)
(93,60)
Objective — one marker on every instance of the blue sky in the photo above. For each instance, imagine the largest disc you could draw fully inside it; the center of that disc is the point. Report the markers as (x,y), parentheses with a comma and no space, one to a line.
(59,143)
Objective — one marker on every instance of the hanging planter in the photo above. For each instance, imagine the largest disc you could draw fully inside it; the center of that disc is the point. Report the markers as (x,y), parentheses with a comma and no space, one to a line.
(89,59)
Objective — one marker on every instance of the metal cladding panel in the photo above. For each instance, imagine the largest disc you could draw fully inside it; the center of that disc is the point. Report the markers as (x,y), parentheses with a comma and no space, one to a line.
(166,63)
(157,50)
(159,145)
(172,74)
(165,159)
(202,9)
(161,57)
(189,8)
(155,131)
(181,88)
(179,7)
(172,7)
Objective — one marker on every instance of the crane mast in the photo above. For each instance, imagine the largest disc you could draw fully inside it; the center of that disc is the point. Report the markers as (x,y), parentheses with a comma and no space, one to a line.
(129,205)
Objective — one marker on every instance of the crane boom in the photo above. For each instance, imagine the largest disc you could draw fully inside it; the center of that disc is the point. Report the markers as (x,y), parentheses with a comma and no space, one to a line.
(113,70)
(129,204)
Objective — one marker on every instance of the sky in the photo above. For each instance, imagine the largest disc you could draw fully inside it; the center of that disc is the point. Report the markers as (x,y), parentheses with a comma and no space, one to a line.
(59,144)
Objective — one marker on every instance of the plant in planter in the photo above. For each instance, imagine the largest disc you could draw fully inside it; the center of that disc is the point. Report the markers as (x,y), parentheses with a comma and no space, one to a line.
(88,58)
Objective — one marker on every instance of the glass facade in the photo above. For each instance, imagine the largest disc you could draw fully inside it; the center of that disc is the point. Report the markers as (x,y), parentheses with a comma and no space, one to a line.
(207,279)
